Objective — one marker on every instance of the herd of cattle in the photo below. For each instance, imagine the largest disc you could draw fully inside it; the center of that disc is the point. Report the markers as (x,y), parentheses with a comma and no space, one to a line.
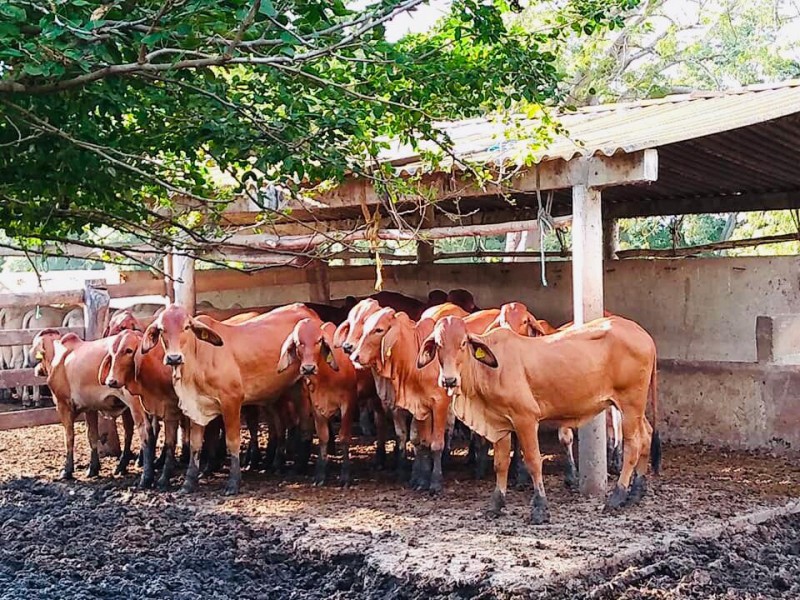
(386,360)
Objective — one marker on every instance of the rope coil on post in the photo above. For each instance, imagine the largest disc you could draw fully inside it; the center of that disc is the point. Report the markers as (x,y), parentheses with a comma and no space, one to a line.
(545,219)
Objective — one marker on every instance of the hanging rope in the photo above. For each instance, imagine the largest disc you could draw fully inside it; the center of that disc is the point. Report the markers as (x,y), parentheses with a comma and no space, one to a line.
(546,222)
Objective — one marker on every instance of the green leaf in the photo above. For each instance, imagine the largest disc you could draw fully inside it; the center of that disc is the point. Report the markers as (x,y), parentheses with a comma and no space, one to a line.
(14,12)
(267,8)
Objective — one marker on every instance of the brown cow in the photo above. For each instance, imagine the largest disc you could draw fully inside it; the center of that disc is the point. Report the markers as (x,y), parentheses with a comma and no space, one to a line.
(346,337)
(330,385)
(72,368)
(464,299)
(217,368)
(504,382)
(442,310)
(389,344)
(146,376)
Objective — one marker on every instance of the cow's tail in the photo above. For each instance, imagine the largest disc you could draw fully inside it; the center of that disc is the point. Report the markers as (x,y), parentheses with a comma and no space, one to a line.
(652,398)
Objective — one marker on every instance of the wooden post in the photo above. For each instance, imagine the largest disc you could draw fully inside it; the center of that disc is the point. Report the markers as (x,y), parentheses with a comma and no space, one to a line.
(96,302)
(183,283)
(610,239)
(168,274)
(319,285)
(587,300)
(425,250)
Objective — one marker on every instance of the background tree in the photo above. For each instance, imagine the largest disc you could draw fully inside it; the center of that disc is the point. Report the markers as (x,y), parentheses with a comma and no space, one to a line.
(106,109)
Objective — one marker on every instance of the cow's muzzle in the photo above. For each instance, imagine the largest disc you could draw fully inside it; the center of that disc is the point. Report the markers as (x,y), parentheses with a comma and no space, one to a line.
(307,370)
(173,360)
(113,383)
(348,348)
(449,382)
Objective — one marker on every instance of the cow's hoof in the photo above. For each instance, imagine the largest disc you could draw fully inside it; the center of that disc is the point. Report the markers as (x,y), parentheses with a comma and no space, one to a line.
(638,490)
(145,483)
(232,489)
(571,481)
(93,471)
(66,475)
(121,470)
(188,487)
(496,504)
(436,486)
(617,498)
(540,513)
(162,484)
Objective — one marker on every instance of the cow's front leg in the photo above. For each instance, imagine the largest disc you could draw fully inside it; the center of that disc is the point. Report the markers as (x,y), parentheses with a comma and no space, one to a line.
(67,417)
(233,440)
(441,421)
(566,437)
(380,435)
(502,459)
(400,418)
(345,435)
(482,455)
(529,440)
(196,434)
(170,444)
(146,438)
(323,433)
(93,435)
(127,455)
(252,458)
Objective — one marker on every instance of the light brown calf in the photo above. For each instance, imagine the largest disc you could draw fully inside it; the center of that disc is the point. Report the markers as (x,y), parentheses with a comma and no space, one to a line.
(72,369)
(389,345)
(146,376)
(504,383)
(217,368)
(330,385)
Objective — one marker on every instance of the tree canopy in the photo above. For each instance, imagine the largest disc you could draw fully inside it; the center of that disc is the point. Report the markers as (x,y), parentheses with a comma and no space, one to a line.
(108,108)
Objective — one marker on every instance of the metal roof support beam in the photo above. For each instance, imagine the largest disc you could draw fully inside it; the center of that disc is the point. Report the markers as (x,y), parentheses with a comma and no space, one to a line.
(587,302)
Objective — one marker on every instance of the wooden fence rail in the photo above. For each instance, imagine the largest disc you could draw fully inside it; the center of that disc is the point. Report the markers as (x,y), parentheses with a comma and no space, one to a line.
(19,337)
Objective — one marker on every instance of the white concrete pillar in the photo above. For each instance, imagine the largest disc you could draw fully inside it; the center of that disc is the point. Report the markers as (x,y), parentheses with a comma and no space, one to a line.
(587,300)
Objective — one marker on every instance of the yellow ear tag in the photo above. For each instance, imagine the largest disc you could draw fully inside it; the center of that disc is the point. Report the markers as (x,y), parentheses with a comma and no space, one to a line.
(480,353)
(388,352)
(39,356)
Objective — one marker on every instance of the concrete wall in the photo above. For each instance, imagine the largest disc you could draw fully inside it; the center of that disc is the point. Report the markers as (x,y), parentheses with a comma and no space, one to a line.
(701,312)
(696,309)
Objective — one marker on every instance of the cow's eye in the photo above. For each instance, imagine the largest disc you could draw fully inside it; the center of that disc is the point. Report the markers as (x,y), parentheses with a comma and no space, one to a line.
(128,350)
(378,330)
(187,327)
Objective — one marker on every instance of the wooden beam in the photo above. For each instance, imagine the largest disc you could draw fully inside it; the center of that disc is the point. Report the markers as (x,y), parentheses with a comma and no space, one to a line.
(69,298)
(425,250)
(96,302)
(319,283)
(744,202)
(20,337)
(11,378)
(610,239)
(268,242)
(18,419)
(596,172)
(713,246)
(587,301)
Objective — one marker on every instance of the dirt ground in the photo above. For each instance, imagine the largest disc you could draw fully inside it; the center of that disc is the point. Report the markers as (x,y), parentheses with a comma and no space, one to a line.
(283,538)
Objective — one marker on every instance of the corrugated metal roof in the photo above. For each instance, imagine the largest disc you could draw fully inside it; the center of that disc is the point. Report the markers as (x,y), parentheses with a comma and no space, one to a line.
(612,128)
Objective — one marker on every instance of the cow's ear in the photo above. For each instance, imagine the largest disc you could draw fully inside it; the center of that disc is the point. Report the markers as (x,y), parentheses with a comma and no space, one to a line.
(206,334)
(535,328)
(341,334)
(481,352)
(150,337)
(427,352)
(387,342)
(288,354)
(327,354)
(105,369)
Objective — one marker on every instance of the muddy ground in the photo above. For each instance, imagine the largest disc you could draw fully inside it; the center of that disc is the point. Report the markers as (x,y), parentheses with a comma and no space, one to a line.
(283,538)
